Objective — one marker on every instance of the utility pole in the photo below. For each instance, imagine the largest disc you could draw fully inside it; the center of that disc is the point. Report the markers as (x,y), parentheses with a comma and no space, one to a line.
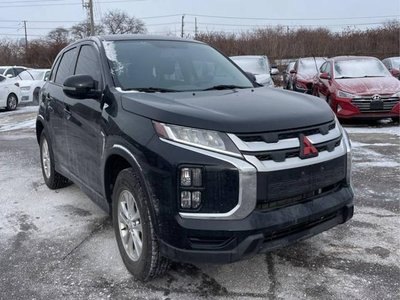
(89,7)
(26,37)
(195,28)
(183,26)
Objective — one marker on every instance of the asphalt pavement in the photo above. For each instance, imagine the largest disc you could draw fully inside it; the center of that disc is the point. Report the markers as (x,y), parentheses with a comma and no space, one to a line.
(60,245)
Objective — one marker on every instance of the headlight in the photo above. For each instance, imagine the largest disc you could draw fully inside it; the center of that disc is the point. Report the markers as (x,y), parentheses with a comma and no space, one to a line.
(342,94)
(347,143)
(201,138)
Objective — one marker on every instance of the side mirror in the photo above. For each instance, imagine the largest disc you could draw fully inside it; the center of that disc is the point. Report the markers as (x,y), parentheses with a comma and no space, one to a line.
(80,87)
(324,76)
(252,77)
(274,71)
(293,71)
(9,76)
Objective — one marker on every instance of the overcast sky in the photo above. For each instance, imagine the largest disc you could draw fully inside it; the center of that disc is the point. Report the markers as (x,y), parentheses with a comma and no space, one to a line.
(163,16)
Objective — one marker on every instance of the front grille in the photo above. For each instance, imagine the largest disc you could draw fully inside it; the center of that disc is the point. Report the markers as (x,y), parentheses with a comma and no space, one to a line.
(299,184)
(302,198)
(279,146)
(275,235)
(273,137)
(279,156)
(366,104)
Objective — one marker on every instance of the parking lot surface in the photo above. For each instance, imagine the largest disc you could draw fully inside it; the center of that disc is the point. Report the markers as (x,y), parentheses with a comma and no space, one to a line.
(58,244)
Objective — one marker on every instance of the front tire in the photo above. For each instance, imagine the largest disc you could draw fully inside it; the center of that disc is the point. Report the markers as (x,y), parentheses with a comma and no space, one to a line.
(12,102)
(35,96)
(134,228)
(51,177)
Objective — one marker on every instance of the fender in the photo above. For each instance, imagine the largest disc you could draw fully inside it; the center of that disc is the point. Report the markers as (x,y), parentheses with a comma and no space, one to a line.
(121,148)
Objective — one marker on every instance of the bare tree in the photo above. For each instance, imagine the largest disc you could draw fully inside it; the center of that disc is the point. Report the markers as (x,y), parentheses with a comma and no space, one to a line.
(119,22)
(82,30)
(58,36)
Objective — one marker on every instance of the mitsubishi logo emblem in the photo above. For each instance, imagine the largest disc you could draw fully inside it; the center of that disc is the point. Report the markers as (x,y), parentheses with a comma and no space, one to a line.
(376,97)
(307,149)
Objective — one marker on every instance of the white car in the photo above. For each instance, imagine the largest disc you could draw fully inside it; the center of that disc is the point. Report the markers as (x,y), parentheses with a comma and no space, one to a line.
(30,82)
(11,71)
(257,65)
(9,93)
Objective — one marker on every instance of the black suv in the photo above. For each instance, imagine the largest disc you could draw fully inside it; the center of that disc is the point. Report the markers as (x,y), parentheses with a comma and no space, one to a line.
(194,162)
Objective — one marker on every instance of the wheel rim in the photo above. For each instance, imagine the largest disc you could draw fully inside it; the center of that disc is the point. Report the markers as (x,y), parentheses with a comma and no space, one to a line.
(12,102)
(130,225)
(46,158)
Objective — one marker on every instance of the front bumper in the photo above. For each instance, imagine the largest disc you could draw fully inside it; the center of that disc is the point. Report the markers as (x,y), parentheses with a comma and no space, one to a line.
(216,241)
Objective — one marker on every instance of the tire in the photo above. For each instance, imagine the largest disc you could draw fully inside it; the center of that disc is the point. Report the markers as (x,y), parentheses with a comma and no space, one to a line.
(35,96)
(12,102)
(134,228)
(52,178)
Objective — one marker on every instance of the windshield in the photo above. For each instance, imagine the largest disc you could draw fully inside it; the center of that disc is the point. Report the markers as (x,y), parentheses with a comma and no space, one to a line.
(310,66)
(36,74)
(254,65)
(356,68)
(170,66)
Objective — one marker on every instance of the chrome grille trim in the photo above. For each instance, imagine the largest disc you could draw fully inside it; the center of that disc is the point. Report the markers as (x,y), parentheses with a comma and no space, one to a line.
(295,162)
(363,104)
(283,144)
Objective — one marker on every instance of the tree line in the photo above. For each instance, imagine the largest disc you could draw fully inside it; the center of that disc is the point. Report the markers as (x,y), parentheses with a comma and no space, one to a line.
(276,42)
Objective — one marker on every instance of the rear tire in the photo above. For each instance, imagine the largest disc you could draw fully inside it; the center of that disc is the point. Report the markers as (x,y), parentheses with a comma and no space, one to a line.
(12,102)
(52,178)
(134,228)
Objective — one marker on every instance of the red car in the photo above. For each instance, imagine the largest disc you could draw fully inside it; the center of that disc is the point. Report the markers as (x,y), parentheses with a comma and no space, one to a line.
(358,87)
(303,73)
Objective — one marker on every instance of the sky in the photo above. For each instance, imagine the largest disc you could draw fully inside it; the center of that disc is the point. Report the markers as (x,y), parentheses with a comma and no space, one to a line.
(164,16)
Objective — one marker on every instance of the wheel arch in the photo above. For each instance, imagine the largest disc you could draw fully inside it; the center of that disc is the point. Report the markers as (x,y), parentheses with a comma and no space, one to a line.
(118,159)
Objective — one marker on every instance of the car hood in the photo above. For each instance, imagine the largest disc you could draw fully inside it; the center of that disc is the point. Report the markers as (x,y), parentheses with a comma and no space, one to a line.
(369,86)
(236,111)
(306,76)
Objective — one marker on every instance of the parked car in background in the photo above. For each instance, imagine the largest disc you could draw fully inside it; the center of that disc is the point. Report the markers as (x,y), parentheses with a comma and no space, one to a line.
(11,71)
(304,72)
(257,65)
(9,93)
(393,65)
(288,76)
(30,83)
(359,87)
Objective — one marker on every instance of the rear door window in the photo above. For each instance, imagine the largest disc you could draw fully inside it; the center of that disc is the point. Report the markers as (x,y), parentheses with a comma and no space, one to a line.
(66,66)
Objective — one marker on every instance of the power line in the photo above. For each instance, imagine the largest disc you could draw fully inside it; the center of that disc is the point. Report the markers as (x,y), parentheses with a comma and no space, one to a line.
(292,19)
(61,4)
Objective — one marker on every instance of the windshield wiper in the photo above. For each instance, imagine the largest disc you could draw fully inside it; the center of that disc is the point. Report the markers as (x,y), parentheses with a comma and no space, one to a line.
(225,87)
(152,90)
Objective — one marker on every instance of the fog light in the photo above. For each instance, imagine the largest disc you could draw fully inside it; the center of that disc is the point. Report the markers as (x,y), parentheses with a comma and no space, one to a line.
(339,108)
(186,199)
(196,199)
(186,177)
